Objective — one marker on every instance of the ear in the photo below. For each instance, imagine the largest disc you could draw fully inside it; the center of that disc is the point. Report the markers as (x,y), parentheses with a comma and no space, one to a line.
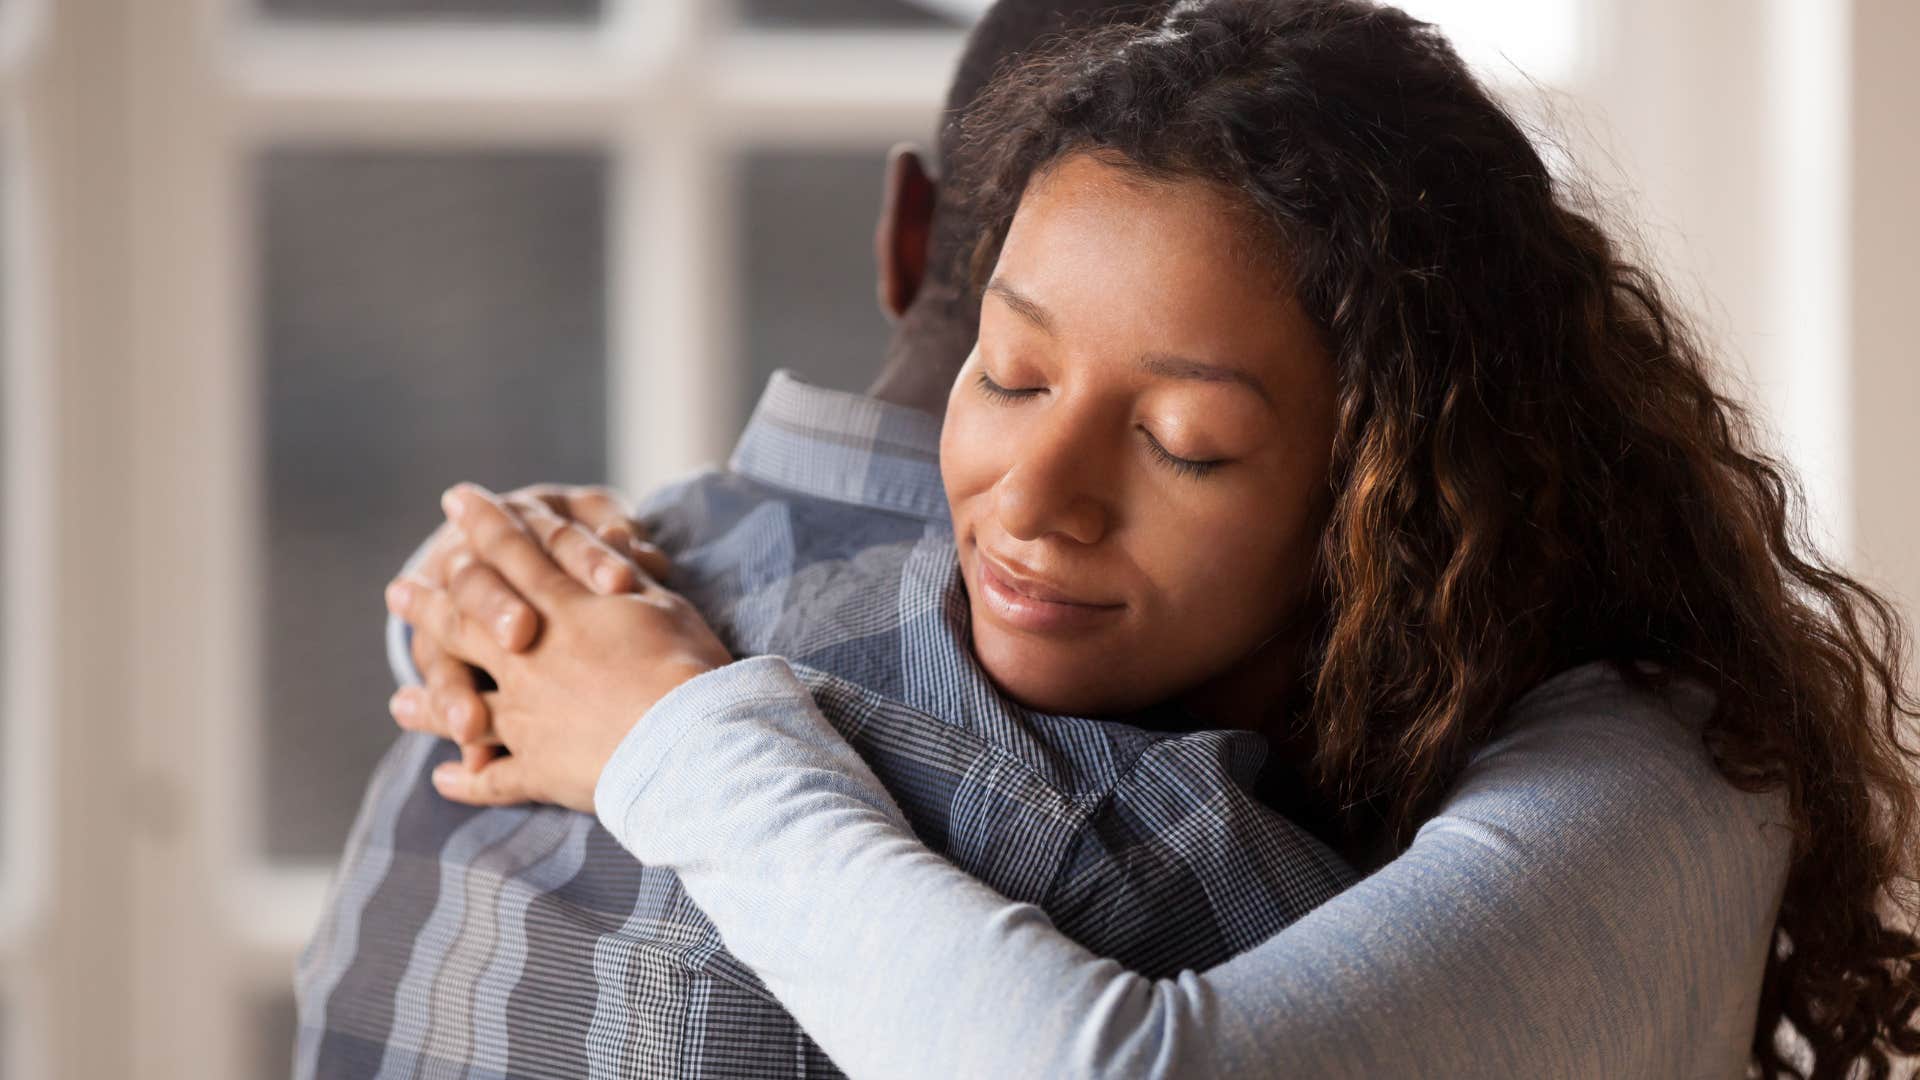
(905,230)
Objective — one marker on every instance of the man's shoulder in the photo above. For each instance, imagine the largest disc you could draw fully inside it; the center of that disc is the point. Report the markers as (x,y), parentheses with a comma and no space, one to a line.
(704,506)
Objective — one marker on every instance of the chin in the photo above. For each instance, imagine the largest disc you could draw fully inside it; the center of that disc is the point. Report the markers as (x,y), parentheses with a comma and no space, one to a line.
(1061,685)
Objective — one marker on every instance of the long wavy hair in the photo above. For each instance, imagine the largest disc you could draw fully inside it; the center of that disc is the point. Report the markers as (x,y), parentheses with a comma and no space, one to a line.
(1532,467)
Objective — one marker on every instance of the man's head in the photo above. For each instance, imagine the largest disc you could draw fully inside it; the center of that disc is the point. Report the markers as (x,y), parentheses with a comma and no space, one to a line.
(922,228)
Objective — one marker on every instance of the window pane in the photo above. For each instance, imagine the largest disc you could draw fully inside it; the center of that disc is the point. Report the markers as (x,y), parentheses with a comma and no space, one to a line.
(384,10)
(809,277)
(890,14)
(430,317)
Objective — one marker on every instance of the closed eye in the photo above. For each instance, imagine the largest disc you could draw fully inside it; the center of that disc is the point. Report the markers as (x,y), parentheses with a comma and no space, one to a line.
(995,390)
(1183,466)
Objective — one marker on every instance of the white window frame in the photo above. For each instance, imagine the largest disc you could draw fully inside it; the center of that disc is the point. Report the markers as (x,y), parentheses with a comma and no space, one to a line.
(669,90)
(28,598)
(26,666)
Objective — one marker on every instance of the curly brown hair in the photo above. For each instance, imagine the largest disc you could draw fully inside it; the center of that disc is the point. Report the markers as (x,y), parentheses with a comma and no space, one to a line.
(1533,468)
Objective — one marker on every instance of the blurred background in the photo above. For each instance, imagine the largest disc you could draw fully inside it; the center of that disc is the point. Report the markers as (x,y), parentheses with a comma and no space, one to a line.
(276,272)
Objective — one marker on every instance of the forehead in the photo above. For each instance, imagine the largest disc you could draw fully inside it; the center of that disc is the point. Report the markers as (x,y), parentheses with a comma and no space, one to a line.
(1179,266)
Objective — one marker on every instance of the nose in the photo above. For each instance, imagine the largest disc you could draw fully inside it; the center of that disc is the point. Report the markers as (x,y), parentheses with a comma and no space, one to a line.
(1051,487)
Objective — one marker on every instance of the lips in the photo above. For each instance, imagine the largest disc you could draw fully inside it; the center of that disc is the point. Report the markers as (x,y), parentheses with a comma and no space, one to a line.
(1033,587)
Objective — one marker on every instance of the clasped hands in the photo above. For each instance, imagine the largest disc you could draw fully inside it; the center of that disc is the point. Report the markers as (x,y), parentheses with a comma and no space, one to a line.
(555,594)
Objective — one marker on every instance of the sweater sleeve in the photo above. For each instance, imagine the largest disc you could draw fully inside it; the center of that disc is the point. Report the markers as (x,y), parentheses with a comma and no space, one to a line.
(1592,900)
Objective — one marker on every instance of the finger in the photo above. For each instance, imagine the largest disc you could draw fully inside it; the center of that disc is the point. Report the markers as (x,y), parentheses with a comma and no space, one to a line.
(458,713)
(424,650)
(604,513)
(584,556)
(444,672)
(410,709)
(529,500)
(592,505)
(599,508)
(618,535)
(445,543)
(655,563)
(440,547)
(459,716)
(432,611)
(501,782)
(630,538)
(481,593)
(451,717)
(547,493)
(499,538)
(475,756)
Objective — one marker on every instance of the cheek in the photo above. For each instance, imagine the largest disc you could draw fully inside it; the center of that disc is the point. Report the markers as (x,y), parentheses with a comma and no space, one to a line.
(972,447)
(1221,570)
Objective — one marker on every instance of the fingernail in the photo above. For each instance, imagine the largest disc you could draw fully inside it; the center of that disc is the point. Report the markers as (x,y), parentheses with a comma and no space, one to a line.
(461,716)
(609,578)
(452,502)
(399,597)
(402,704)
(503,628)
(445,774)
(461,559)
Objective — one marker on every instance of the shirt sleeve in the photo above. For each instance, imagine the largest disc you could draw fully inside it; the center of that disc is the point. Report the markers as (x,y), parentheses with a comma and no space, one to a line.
(399,634)
(1592,899)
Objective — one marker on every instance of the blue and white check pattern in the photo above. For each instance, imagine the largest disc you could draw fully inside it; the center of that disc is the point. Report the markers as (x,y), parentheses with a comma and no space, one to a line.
(525,942)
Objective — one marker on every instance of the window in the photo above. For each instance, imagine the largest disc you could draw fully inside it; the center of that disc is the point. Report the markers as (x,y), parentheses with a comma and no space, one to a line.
(421,10)
(427,316)
(433,240)
(854,14)
(805,280)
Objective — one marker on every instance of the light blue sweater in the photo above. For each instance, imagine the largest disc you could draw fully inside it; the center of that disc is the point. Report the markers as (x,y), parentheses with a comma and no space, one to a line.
(1593,899)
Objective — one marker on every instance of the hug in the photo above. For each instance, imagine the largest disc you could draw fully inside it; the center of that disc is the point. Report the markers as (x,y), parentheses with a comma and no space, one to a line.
(1294,602)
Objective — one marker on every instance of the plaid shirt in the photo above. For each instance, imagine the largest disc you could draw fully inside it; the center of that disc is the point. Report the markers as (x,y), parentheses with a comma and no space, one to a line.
(525,942)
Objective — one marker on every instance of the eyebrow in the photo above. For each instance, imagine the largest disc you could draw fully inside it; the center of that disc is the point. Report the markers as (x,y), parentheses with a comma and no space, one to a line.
(1181,367)
(1022,305)
(1165,365)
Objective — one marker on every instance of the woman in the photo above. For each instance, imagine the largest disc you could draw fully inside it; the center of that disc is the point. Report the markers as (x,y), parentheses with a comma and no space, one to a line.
(1306,397)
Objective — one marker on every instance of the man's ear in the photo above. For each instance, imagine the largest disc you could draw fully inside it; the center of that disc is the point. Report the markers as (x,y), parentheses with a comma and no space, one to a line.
(905,230)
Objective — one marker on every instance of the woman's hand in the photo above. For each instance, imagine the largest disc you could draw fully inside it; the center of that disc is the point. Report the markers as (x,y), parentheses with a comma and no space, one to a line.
(595,666)
(453,687)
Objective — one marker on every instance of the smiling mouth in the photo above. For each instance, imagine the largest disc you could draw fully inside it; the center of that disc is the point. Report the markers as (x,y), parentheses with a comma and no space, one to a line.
(1032,588)
(1022,605)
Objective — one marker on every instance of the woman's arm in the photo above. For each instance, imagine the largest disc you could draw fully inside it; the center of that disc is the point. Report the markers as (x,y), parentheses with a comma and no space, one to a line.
(1592,900)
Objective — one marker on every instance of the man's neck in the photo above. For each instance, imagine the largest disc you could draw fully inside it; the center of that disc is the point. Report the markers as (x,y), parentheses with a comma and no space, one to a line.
(928,347)
(904,384)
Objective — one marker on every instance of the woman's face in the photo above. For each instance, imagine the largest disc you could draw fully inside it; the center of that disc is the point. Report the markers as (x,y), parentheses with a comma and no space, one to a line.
(1136,452)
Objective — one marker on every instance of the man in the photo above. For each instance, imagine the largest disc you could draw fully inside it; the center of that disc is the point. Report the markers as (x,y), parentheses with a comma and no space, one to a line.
(523,941)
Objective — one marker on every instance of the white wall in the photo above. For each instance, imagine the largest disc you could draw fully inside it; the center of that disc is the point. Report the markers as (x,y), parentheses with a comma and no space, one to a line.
(1884,271)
